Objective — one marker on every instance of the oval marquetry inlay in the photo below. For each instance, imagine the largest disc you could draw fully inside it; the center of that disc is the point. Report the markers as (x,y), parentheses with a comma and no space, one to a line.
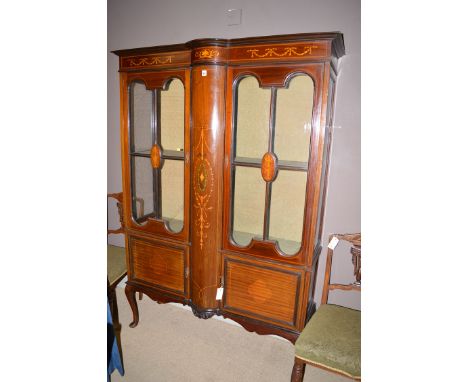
(202,177)
(269,168)
(259,291)
(156,156)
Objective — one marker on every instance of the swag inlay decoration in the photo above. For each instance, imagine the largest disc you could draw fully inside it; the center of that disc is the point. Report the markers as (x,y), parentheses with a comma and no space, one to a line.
(288,51)
(149,61)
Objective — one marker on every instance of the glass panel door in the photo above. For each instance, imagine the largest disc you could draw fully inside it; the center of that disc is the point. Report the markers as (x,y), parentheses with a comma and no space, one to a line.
(156,120)
(272,130)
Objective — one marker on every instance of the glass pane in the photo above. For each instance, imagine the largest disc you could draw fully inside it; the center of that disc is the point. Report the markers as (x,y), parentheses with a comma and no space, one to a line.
(172,116)
(294,119)
(249,204)
(252,122)
(287,210)
(172,193)
(326,148)
(140,117)
(143,203)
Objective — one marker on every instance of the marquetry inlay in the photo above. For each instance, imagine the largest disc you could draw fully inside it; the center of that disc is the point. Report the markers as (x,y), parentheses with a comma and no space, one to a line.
(155,156)
(204,183)
(202,176)
(269,167)
(289,51)
(206,53)
(148,61)
(259,291)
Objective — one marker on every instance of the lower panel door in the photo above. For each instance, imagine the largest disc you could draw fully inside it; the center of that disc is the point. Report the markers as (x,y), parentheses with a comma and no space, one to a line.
(158,264)
(264,291)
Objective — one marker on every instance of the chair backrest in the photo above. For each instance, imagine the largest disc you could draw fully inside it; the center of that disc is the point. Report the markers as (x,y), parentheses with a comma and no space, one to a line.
(355,240)
(119,198)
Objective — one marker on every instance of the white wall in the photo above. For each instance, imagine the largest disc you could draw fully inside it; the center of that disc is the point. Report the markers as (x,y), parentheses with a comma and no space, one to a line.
(139,23)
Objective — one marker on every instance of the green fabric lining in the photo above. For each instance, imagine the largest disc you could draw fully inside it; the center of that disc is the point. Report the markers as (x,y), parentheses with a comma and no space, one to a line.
(332,338)
(116,263)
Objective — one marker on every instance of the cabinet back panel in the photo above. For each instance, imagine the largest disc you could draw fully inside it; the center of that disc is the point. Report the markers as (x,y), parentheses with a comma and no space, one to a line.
(249,205)
(294,119)
(252,119)
(172,193)
(172,116)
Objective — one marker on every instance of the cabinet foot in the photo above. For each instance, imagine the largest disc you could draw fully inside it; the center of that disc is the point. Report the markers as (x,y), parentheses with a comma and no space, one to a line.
(205,314)
(130,292)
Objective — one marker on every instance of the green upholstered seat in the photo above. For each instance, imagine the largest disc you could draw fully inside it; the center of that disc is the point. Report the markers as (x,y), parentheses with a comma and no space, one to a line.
(116,263)
(332,339)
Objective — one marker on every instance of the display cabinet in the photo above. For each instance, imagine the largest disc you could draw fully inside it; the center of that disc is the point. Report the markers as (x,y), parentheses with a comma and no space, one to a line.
(225,150)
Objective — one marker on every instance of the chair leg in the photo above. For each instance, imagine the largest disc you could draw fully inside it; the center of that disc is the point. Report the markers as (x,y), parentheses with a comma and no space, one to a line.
(140,296)
(297,373)
(114,309)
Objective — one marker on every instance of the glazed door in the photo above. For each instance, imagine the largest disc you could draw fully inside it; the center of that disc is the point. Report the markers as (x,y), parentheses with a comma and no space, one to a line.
(158,153)
(272,124)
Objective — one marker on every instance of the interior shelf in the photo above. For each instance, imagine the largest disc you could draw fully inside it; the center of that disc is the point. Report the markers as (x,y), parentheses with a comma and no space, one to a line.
(175,225)
(282,164)
(288,247)
(166,154)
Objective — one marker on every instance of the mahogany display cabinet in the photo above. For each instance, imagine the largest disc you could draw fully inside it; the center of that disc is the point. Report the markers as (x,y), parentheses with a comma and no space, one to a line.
(225,151)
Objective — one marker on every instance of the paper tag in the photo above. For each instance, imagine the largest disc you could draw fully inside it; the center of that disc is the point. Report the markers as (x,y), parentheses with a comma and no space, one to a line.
(219,293)
(333,242)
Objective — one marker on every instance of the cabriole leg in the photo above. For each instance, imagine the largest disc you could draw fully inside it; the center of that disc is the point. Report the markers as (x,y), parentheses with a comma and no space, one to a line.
(130,292)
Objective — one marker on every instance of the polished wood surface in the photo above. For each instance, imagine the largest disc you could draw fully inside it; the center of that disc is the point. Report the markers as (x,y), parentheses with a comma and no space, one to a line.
(269,167)
(157,263)
(265,290)
(292,47)
(156,156)
(206,209)
(262,291)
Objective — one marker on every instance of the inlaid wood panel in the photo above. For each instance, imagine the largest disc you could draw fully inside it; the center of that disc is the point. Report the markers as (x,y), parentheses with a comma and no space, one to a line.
(280,52)
(206,208)
(157,263)
(269,169)
(155,156)
(292,48)
(262,291)
(154,61)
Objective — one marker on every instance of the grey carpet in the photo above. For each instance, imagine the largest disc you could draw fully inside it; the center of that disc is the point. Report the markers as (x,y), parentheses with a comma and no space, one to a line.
(170,344)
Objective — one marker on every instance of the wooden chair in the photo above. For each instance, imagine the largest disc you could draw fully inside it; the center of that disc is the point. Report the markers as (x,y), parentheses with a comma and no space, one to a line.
(331,340)
(116,263)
